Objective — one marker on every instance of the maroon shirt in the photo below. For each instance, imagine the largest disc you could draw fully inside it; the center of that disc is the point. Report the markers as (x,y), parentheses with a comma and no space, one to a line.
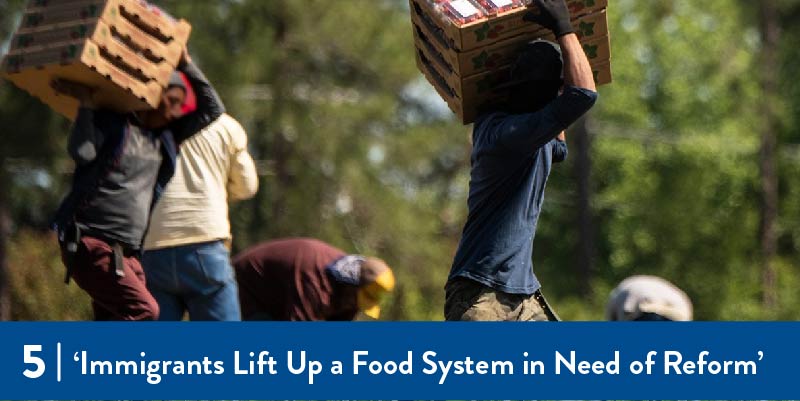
(287,280)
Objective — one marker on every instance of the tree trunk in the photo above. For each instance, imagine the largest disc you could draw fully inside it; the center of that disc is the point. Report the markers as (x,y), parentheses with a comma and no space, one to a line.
(5,229)
(268,203)
(770,33)
(584,251)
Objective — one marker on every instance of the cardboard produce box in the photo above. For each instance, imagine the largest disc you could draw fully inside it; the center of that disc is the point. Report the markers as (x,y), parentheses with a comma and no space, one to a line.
(467,79)
(473,88)
(589,28)
(57,13)
(467,111)
(491,29)
(123,49)
(99,31)
(33,49)
(602,73)
(469,96)
(86,63)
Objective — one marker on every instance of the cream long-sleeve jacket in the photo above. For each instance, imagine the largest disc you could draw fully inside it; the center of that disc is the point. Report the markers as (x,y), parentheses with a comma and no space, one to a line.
(213,168)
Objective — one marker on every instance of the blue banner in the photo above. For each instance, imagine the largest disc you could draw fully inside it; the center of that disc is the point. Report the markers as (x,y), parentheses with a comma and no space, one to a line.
(399,360)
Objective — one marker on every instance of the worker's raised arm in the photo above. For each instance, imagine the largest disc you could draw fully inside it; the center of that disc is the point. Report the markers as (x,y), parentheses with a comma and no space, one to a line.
(577,71)
(209,104)
(554,15)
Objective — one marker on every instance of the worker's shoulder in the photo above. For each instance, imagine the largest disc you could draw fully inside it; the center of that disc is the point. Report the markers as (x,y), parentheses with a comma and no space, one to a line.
(227,127)
(225,133)
(286,249)
(487,122)
(226,121)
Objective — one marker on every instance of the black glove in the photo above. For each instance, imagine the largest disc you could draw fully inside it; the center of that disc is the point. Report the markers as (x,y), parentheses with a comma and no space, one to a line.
(553,15)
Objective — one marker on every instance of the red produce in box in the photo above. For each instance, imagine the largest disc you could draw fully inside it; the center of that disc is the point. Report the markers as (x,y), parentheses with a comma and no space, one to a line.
(460,11)
(492,7)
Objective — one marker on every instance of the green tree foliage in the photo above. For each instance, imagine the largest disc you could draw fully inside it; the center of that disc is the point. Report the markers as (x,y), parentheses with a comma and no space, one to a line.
(318,87)
(676,155)
(353,148)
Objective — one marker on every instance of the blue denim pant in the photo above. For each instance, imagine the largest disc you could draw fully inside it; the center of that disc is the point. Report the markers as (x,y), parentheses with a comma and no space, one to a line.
(197,278)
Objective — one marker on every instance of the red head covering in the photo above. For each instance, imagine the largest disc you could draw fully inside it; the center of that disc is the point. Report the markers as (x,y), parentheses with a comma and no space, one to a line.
(190,104)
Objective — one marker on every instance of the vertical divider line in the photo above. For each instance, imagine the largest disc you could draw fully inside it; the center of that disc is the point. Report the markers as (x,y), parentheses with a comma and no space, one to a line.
(58,362)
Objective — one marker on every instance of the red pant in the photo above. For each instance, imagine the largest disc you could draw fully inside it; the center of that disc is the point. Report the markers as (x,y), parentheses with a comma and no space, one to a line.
(113,297)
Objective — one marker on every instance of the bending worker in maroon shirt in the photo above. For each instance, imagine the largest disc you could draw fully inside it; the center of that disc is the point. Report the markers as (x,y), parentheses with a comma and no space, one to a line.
(303,279)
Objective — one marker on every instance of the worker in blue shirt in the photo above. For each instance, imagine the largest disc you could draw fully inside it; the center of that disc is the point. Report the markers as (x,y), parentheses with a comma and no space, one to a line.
(514,148)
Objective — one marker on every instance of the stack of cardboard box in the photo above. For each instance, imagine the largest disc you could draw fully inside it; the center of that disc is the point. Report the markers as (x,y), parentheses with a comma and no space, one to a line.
(124,49)
(465,63)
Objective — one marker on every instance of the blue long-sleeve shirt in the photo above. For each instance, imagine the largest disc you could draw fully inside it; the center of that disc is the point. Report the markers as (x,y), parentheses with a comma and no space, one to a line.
(512,156)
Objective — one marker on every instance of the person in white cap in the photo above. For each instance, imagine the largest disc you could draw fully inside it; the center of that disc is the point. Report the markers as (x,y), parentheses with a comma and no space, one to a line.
(648,298)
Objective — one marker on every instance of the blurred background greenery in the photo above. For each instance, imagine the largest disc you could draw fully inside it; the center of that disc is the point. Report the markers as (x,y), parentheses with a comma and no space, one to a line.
(688,168)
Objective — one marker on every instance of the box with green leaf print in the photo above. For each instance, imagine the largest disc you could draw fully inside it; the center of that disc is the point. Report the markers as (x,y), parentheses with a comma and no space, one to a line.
(488,30)
(588,28)
(468,79)
(468,96)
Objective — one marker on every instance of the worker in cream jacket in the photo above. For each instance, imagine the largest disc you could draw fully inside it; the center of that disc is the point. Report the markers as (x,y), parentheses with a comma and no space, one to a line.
(186,260)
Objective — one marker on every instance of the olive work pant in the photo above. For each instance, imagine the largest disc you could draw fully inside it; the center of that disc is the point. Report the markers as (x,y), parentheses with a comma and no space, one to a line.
(468,300)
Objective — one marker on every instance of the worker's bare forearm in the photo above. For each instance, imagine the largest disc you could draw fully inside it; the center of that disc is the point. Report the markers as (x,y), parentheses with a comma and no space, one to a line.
(577,71)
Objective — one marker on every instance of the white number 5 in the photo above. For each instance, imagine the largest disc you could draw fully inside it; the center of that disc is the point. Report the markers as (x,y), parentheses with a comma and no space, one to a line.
(34,360)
